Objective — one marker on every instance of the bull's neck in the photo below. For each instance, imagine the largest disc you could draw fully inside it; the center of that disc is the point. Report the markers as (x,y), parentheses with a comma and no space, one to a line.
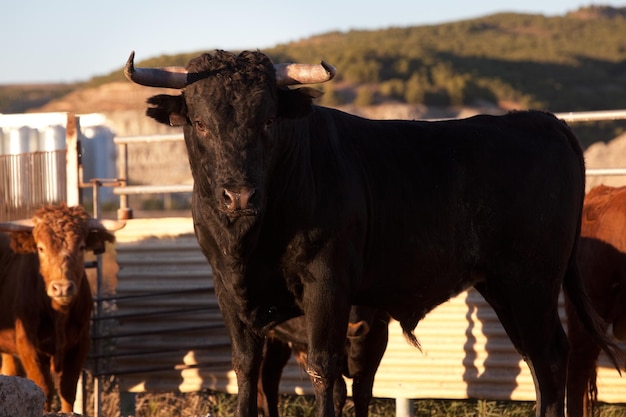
(223,239)
(290,179)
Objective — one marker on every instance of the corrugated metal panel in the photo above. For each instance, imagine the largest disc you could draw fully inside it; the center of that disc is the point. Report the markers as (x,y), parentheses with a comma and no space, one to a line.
(166,300)
(29,180)
(465,351)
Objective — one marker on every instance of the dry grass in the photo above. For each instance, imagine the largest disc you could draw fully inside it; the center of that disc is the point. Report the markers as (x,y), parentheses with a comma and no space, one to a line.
(214,404)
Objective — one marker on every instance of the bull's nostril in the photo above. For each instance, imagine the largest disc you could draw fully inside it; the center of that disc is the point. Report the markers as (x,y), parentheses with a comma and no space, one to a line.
(245,196)
(229,199)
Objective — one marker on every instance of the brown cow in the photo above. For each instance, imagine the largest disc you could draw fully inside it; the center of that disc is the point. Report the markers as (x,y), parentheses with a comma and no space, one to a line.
(602,263)
(366,342)
(45,299)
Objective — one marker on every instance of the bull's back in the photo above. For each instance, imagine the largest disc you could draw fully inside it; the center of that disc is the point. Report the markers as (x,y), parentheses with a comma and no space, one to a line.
(452,200)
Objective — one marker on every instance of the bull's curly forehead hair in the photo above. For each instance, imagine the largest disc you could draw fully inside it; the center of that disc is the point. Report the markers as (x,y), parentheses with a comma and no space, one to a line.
(62,219)
(253,63)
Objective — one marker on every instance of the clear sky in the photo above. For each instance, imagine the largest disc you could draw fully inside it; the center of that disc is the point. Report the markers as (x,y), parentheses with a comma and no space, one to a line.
(67,41)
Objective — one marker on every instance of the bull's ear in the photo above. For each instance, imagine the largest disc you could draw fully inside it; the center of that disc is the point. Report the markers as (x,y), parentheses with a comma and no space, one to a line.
(96,240)
(296,103)
(170,110)
(358,329)
(23,242)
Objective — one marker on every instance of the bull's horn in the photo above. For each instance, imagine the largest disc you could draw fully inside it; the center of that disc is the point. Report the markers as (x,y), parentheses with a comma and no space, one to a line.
(290,74)
(17,226)
(176,77)
(110,225)
(167,77)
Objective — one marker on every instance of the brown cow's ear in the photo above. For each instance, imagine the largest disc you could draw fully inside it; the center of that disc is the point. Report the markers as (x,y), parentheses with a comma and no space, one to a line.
(593,212)
(23,242)
(96,240)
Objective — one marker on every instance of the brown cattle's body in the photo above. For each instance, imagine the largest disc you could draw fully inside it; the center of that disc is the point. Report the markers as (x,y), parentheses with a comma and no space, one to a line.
(45,299)
(602,263)
(366,341)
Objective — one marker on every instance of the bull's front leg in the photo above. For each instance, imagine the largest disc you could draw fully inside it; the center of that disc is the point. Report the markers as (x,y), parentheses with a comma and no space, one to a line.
(326,306)
(247,351)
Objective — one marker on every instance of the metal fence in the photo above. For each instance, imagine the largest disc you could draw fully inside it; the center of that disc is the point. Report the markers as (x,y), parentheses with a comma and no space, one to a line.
(39,165)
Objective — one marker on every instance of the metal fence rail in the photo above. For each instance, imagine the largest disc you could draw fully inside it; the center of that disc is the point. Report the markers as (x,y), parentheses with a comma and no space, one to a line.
(592,116)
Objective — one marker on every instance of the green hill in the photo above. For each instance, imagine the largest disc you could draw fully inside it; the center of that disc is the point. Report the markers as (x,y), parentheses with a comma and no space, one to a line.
(570,63)
(567,63)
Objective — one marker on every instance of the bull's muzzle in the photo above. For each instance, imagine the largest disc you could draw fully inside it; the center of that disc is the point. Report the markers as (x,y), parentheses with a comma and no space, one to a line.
(62,291)
(237,200)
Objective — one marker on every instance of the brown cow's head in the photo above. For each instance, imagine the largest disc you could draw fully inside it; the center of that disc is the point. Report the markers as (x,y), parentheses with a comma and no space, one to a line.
(231,108)
(60,235)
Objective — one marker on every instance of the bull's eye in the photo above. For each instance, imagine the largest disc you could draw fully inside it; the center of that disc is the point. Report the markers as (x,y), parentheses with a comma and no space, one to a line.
(200,125)
(40,249)
(269,122)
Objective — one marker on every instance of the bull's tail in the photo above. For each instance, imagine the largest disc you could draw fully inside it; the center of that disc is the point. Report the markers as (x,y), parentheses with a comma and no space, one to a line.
(408,326)
(593,323)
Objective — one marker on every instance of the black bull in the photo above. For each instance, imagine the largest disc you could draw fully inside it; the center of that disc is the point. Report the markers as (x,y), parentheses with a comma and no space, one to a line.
(305,209)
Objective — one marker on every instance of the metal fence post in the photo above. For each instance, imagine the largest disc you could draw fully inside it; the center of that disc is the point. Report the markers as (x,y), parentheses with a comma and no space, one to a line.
(97,331)
(72,160)
(404,407)
(124,212)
